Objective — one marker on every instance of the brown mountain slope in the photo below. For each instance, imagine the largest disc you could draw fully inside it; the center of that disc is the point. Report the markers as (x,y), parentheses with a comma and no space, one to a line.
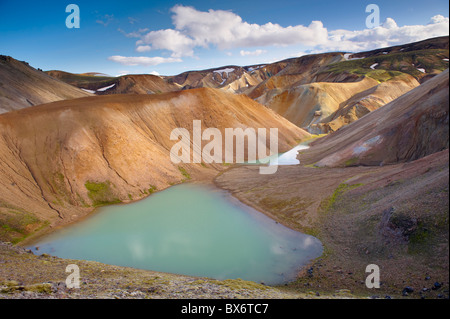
(60,160)
(23,86)
(408,128)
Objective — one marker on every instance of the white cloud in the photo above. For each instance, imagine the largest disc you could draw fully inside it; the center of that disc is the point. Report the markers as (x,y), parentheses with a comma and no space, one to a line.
(105,19)
(123,72)
(132,20)
(301,53)
(135,34)
(438,19)
(141,60)
(172,40)
(126,72)
(252,53)
(226,30)
(388,34)
(143,48)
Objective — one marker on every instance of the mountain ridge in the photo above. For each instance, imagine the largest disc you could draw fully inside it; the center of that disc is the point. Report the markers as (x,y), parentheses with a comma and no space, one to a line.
(23,86)
(303,81)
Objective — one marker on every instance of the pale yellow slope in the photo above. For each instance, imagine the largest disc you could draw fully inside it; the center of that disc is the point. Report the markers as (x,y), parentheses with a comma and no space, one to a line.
(324,107)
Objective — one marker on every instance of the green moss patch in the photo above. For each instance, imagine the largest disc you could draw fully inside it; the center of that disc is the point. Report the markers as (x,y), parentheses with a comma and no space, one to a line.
(101,193)
(351,162)
(16,225)
(329,203)
(421,232)
(152,189)
(184,173)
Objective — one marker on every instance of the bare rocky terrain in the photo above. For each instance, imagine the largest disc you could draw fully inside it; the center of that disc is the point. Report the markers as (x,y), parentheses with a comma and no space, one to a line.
(395,216)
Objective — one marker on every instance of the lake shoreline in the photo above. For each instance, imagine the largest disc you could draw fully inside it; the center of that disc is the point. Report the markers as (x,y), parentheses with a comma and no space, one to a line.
(207,180)
(203,176)
(167,233)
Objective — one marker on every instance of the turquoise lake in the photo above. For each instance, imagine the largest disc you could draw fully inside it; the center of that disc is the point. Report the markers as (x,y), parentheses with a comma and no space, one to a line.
(187,229)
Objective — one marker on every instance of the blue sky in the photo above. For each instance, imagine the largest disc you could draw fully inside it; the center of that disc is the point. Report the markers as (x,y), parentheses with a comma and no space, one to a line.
(169,37)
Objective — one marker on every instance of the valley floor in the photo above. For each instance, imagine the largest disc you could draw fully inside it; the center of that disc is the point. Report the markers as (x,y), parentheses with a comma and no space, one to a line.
(395,216)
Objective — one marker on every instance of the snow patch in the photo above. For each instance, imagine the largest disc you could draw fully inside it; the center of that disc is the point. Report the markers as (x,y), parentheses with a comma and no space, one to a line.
(445,60)
(106,88)
(421,70)
(373,66)
(251,69)
(347,57)
(227,70)
(366,145)
(99,90)
(290,157)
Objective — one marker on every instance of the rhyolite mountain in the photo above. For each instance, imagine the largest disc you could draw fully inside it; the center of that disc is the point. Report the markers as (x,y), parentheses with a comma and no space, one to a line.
(317,92)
